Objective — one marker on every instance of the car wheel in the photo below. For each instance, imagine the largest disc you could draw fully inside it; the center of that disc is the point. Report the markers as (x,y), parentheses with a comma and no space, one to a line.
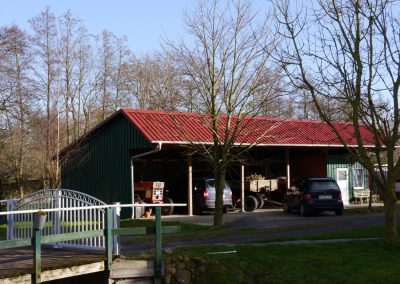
(286,207)
(250,203)
(224,210)
(303,211)
(260,201)
(167,210)
(339,212)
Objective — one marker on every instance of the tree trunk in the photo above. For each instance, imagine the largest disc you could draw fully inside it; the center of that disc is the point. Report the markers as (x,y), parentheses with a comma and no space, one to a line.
(390,213)
(219,174)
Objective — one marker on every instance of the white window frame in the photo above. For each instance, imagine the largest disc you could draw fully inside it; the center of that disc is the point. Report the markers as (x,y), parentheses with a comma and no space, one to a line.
(356,179)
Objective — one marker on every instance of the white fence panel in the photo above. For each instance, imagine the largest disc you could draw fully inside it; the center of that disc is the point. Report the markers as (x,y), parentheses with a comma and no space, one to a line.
(58,222)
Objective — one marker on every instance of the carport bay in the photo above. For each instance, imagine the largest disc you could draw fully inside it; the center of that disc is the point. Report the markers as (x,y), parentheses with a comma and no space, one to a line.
(176,165)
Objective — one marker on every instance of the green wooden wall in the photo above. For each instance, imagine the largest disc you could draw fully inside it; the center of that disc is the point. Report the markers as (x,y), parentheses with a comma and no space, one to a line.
(101,165)
(337,161)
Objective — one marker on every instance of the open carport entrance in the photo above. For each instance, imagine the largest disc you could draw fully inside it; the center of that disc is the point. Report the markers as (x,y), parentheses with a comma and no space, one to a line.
(179,168)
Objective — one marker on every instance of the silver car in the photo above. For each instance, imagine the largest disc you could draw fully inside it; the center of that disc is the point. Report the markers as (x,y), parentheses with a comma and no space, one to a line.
(204,196)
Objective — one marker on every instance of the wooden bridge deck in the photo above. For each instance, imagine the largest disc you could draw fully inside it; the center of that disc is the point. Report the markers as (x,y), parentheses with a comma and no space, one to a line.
(18,262)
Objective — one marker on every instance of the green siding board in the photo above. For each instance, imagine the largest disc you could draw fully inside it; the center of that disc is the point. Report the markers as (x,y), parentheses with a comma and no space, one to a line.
(102,167)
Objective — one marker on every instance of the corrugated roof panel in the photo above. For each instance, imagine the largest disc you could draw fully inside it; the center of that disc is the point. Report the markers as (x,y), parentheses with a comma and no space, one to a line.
(180,127)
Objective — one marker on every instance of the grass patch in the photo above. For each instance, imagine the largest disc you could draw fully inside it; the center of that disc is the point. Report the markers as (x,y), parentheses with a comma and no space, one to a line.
(201,232)
(375,231)
(186,227)
(188,231)
(354,262)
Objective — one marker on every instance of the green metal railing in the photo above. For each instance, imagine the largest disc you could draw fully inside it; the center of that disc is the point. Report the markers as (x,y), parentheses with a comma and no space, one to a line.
(109,232)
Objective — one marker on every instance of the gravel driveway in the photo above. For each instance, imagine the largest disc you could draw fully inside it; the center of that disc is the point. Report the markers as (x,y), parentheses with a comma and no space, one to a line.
(266,219)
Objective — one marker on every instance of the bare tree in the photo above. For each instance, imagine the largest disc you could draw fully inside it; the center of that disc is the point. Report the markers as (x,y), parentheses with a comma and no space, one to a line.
(22,89)
(106,55)
(225,58)
(120,74)
(156,83)
(69,56)
(16,83)
(45,50)
(345,54)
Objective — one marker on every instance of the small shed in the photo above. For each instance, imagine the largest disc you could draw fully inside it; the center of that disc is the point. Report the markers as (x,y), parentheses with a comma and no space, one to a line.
(158,145)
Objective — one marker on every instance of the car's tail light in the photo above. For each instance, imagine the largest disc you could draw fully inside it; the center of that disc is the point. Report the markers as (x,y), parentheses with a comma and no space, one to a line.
(307,197)
(205,194)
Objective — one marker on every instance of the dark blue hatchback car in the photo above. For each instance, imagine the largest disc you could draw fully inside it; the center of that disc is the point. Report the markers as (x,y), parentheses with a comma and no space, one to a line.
(310,195)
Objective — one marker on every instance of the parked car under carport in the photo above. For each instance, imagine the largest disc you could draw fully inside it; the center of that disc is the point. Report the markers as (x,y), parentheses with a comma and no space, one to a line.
(311,195)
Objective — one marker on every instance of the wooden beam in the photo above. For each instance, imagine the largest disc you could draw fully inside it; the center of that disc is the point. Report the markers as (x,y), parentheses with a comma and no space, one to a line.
(287,168)
(129,231)
(158,257)
(108,238)
(129,268)
(71,236)
(190,184)
(55,274)
(242,189)
(37,255)
(15,243)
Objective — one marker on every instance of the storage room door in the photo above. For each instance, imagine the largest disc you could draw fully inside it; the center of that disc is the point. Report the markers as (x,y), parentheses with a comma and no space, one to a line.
(343,182)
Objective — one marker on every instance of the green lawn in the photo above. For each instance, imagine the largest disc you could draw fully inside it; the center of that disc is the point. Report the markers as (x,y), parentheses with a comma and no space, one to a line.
(354,262)
(350,262)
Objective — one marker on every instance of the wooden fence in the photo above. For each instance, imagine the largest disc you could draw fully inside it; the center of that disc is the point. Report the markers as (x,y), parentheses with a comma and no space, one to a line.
(109,232)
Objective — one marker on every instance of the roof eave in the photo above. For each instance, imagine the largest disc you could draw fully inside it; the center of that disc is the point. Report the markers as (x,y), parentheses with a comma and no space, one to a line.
(259,145)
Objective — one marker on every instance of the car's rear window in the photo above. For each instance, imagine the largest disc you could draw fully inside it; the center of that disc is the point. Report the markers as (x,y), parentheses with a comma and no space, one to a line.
(323,185)
(210,183)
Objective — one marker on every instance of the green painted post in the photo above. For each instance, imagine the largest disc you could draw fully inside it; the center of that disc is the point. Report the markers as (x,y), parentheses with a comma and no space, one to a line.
(158,272)
(37,262)
(108,239)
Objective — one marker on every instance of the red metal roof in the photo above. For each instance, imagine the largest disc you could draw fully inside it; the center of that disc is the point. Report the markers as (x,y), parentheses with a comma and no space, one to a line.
(182,127)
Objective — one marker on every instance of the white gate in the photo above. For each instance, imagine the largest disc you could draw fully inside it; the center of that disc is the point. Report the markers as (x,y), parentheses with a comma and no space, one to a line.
(58,222)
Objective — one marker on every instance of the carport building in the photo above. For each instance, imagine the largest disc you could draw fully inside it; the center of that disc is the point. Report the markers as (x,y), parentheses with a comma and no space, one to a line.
(99,163)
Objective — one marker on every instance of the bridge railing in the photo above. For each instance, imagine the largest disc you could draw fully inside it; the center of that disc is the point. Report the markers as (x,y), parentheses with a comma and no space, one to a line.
(88,218)
(109,233)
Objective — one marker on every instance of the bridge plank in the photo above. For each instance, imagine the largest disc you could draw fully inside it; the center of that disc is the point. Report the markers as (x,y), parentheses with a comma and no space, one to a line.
(132,268)
(55,274)
(72,271)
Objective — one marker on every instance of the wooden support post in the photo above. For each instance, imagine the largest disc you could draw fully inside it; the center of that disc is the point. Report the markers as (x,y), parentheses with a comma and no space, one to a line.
(116,224)
(287,168)
(37,262)
(108,239)
(190,185)
(158,260)
(242,190)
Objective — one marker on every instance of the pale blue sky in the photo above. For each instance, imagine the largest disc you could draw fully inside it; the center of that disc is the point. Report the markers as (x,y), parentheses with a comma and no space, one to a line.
(143,22)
